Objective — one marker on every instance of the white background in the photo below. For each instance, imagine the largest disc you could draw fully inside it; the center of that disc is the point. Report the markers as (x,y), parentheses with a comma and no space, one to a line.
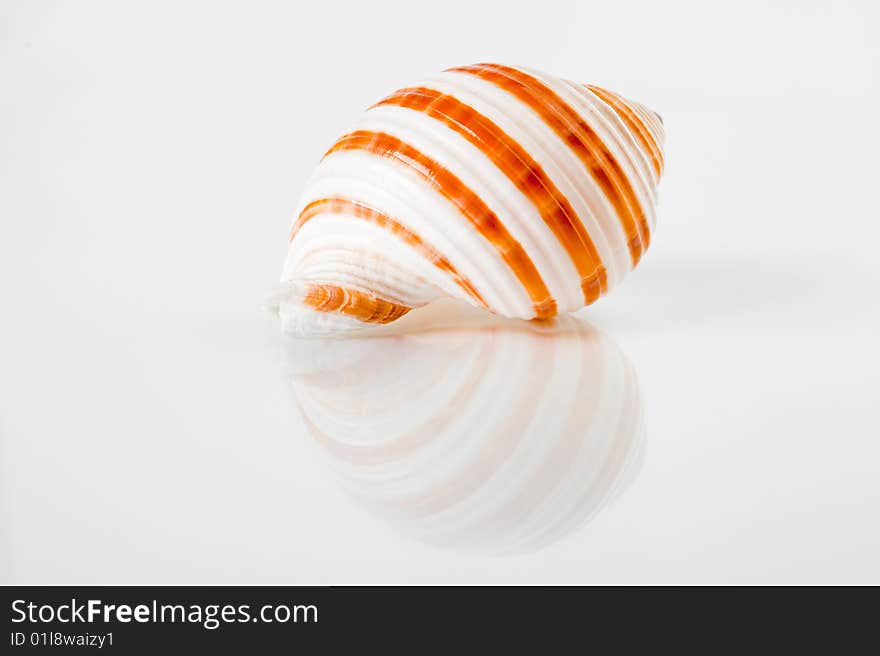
(151,154)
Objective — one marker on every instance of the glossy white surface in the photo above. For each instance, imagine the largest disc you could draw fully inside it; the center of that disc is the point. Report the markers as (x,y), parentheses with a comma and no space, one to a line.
(150,422)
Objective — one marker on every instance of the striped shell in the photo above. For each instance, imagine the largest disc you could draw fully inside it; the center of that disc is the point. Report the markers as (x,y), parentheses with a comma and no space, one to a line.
(516,191)
(502,438)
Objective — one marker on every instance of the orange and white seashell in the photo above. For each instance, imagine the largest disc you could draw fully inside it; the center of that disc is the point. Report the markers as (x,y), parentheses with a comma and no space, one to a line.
(514,190)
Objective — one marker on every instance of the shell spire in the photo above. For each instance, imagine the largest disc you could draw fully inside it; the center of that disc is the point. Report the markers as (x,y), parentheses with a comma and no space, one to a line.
(510,189)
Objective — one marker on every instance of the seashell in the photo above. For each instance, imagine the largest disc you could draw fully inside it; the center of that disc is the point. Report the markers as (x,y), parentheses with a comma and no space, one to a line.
(510,189)
(498,438)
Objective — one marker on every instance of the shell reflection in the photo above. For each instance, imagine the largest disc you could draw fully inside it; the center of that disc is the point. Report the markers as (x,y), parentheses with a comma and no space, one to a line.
(502,437)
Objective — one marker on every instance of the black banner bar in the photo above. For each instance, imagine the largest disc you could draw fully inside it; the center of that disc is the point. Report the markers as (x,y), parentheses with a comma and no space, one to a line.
(151,620)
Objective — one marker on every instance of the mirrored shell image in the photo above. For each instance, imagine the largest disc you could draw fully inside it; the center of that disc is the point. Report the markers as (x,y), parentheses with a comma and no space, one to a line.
(495,437)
